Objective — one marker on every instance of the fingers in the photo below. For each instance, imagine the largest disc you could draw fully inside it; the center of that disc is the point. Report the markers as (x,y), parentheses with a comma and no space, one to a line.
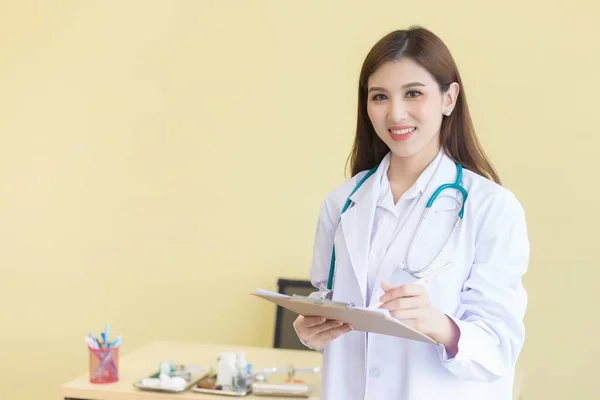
(317,332)
(309,322)
(387,286)
(405,315)
(312,326)
(403,303)
(394,292)
(333,333)
(326,326)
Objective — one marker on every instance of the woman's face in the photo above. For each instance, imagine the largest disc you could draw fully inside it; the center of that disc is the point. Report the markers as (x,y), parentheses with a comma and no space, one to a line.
(405,106)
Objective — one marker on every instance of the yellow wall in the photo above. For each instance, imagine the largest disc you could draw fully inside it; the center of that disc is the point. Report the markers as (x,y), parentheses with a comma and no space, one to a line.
(160,160)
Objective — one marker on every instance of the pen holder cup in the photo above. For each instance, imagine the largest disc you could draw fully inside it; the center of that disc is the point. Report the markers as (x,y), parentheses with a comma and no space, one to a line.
(104,365)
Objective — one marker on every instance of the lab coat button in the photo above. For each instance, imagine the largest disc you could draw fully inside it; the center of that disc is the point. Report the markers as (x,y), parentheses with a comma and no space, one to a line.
(374,372)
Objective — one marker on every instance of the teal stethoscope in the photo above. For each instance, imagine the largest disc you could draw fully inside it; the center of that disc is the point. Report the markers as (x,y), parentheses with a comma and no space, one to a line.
(415,273)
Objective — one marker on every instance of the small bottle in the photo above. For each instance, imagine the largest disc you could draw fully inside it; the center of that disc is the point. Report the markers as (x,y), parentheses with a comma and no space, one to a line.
(241,376)
(226,370)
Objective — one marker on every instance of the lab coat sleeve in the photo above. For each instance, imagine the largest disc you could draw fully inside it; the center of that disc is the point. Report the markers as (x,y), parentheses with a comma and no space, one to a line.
(493,300)
(322,248)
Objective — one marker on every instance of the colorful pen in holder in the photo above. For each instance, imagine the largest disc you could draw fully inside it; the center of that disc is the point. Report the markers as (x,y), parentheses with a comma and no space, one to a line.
(103,357)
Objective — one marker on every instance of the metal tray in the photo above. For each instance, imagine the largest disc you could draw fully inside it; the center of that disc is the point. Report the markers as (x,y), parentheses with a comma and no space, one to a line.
(190,373)
(281,389)
(221,392)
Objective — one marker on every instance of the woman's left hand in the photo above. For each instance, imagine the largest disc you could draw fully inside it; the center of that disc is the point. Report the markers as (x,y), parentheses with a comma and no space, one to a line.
(410,304)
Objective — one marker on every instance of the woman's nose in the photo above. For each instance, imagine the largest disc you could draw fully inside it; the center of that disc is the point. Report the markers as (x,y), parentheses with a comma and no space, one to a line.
(397,112)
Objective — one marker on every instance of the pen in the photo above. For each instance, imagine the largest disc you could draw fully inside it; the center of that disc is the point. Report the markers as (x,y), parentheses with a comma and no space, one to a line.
(107,334)
(116,342)
(92,343)
(424,280)
(91,339)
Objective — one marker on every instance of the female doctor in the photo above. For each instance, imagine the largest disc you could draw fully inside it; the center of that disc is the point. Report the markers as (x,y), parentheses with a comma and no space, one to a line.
(414,135)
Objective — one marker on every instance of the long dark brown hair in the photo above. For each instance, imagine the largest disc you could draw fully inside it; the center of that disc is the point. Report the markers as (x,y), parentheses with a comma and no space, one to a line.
(457,134)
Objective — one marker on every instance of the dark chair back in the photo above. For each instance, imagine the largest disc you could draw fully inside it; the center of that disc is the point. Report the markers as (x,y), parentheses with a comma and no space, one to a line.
(285,335)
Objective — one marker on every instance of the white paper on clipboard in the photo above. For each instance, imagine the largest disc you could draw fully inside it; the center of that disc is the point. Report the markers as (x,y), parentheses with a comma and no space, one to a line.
(361,318)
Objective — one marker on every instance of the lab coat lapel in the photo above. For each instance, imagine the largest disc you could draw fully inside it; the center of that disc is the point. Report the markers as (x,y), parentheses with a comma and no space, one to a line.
(445,173)
(357,223)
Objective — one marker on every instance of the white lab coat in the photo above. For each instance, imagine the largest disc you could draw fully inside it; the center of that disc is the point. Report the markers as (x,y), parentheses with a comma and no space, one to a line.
(482,292)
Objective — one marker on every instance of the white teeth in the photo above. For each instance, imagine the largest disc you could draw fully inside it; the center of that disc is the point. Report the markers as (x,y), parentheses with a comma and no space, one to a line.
(402,131)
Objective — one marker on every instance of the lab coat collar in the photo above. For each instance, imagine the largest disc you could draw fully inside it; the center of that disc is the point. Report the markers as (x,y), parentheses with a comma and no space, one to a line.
(373,183)
(427,174)
(380,178)
(357,221)
(386,200)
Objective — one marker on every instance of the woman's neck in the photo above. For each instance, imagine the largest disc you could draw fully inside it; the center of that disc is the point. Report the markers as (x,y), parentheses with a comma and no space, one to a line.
(403,172)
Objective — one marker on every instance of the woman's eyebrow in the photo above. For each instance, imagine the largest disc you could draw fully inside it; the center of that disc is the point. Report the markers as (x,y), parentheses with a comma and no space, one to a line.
(406,85)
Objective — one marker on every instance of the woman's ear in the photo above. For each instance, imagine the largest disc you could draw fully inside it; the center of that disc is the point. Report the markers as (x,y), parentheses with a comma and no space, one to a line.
(449,100)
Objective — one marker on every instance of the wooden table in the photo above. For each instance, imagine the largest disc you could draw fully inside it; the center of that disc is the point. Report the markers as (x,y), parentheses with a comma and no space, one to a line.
(141,363)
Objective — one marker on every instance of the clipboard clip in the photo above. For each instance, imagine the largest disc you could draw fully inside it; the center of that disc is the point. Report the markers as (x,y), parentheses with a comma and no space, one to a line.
(322,300)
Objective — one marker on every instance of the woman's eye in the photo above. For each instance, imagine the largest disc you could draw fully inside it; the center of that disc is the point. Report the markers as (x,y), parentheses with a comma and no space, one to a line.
(379,97)
(413,93)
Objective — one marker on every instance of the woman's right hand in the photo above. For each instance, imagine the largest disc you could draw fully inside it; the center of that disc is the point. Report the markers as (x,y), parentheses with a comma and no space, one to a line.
(317,332)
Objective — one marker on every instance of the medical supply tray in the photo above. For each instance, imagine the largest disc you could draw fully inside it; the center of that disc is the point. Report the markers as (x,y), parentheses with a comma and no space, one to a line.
(190,373)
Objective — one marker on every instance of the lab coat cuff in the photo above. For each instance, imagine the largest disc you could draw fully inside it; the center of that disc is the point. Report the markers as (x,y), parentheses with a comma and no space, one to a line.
(306,345)
(310,347)
(466,341)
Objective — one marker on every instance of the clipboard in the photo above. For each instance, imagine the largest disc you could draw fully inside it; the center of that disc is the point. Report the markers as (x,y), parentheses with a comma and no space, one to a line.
(361,318)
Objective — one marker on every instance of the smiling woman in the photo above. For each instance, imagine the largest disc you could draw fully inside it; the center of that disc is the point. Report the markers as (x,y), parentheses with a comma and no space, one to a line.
(416,155)
(410,77)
